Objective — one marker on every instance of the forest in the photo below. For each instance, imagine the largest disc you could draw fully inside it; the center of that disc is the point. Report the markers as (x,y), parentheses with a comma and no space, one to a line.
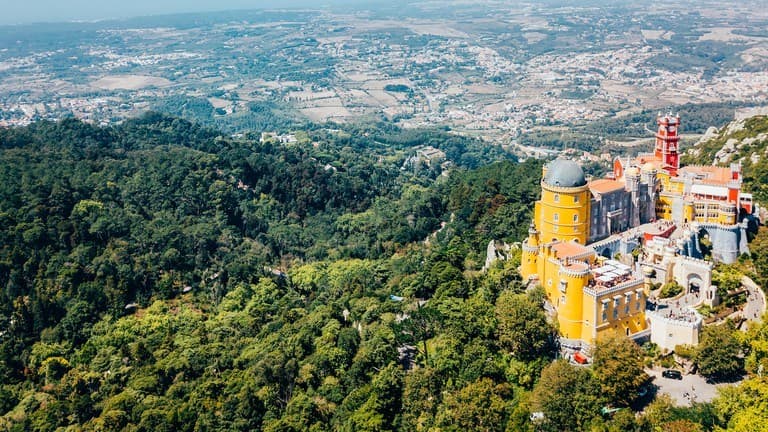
(696,119)
(159,275)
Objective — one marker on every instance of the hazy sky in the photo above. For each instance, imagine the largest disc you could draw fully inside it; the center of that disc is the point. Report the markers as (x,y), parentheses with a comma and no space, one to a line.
(26,11)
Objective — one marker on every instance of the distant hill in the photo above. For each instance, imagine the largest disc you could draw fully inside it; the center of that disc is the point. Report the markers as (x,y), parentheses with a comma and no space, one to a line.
(744,141)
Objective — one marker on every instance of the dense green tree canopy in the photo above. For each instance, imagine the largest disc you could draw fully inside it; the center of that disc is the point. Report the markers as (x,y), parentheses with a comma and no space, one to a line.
(523,328)
(618,366)
(569,397)
(719,354)
(160,276)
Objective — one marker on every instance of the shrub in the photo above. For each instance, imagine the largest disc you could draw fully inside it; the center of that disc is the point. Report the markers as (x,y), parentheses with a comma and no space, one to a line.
(670,289)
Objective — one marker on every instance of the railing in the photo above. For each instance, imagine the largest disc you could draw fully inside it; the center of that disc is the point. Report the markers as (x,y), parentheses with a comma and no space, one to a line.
(692,320)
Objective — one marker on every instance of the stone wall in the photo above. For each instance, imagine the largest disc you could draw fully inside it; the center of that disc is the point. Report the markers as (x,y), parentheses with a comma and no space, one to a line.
(668,332)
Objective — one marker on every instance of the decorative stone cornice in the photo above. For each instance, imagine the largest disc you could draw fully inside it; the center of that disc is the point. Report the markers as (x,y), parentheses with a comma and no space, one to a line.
(561,189)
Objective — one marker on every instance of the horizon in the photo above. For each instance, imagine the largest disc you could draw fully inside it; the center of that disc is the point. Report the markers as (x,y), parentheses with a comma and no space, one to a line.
(50,11)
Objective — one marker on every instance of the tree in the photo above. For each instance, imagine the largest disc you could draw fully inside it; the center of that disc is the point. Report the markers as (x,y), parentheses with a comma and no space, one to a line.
(569,397)
(421,325)
(421,397)
(478,406)
(618,366)
(757,340)
(623,421)
(523,328)
(681,425)
(745,407)
(719,354)
(659,412)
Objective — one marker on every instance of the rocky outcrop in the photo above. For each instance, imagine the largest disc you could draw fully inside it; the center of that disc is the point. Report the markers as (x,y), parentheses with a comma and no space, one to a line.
(497,250)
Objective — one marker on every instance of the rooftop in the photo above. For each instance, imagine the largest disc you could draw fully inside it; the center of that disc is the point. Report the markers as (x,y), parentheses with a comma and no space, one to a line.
(644,159)
(708,174)
(570,250)
(564,173)
(604,185)
(577,266)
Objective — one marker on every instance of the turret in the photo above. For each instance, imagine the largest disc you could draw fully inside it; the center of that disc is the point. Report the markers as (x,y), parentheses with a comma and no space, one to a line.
(562,213)
(666,143)
(650,181)
(530,256)
(533,235)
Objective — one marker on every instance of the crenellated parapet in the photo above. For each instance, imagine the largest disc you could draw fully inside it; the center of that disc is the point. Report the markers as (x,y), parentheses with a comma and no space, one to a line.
(689,319)
(698,261)
(561,189)
(530,249)
(728,241)
(595,291)
(669,331)
(574,272)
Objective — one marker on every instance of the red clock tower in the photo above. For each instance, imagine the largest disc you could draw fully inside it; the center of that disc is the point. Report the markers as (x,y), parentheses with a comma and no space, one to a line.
(666,143)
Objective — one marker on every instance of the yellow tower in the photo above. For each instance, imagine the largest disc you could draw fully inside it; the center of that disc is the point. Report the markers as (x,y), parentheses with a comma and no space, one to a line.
(570,302)
(562,213)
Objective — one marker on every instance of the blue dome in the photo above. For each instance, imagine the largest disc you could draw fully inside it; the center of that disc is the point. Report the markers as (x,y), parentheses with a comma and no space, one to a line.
(564,173)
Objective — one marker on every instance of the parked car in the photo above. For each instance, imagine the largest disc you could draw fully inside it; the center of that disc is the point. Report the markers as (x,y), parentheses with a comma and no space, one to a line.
(672,374)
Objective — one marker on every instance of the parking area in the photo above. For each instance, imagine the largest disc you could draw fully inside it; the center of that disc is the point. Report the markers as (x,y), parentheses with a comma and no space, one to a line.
(692,388)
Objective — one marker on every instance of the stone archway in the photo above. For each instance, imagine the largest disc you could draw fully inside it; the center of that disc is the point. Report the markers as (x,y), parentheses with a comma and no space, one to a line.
(606,252)
(694,283)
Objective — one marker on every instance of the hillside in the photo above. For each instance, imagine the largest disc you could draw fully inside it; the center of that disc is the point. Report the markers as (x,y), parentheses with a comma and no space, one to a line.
(159,276)
(151,271)
(743,141)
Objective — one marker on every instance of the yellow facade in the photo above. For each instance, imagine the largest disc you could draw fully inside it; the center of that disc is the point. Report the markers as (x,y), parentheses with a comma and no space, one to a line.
(664,207)
(554,253)
(586,311)
(569,298)
(688,212)
(530,255)
(619,311)
(704,211)
(563,214)
(728,214)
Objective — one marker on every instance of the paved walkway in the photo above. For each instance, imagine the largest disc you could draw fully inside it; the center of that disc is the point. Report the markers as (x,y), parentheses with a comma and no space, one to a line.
(678,306)
(692,388)
(753,310)
(756,304)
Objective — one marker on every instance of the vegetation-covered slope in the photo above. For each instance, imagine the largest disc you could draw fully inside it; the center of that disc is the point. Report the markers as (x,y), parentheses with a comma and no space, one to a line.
(743,141)
(101,222)
(157,276)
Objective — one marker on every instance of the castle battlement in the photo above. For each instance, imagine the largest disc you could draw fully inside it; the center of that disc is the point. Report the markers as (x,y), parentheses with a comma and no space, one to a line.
(698,261)
(530,249)
(562,189)
(691,319)
(596,291)
(698,225)
(573,272)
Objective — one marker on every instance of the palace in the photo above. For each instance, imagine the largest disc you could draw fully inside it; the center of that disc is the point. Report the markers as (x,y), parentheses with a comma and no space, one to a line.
(596,289)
